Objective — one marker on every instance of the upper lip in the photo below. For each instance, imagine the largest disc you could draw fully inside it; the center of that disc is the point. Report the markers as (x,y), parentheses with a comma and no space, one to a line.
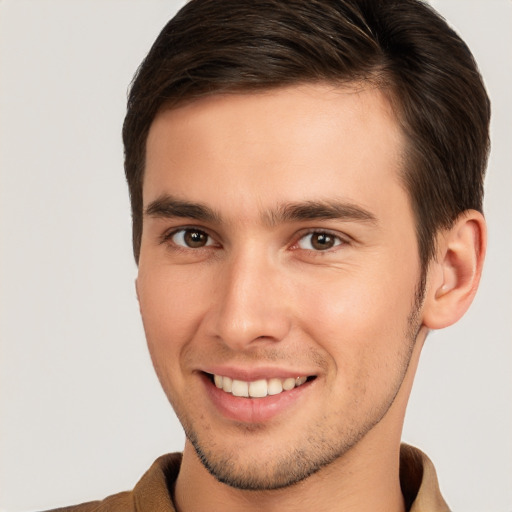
(253,374)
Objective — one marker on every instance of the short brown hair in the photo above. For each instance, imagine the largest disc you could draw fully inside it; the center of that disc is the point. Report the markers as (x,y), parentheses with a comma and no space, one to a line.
(403,46)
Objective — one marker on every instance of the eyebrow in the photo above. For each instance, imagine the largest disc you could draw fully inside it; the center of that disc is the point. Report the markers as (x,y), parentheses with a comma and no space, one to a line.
(167,206)
(170,207)
(320,210)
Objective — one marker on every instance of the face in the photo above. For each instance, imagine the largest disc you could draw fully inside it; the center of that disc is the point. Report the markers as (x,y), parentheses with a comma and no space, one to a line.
(278,275)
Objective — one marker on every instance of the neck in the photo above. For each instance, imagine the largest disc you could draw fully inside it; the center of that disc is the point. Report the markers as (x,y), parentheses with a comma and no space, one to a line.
(345,485)
(365,479)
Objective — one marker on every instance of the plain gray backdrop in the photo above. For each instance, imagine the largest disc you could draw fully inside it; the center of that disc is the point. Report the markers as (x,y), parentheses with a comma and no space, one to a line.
(81,413)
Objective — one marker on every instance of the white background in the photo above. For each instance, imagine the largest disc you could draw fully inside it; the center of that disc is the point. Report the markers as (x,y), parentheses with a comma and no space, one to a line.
(81,413)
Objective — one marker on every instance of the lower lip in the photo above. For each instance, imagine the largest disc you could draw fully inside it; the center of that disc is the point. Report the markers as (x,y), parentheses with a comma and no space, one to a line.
(254,410)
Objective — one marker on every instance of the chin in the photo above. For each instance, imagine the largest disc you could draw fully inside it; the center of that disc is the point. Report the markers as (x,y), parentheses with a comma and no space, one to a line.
(277,467)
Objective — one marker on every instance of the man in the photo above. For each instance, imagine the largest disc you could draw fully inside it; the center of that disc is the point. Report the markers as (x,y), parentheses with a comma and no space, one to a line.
(306,183)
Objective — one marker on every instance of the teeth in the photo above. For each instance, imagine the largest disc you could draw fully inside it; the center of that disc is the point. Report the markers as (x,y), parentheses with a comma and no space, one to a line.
(288,384)
(258,388)
(274,387)
(227,384)
(240,388)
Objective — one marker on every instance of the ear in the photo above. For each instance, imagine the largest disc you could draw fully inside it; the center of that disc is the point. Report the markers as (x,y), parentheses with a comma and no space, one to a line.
(453,277)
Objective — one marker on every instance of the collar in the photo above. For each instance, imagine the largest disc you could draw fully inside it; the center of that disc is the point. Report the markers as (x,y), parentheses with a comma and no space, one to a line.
(418,480)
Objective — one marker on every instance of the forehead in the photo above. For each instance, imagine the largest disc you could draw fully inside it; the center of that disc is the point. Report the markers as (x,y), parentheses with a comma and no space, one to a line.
(289,144)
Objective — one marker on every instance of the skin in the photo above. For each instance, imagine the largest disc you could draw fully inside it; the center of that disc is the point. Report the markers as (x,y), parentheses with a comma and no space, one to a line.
(259,294)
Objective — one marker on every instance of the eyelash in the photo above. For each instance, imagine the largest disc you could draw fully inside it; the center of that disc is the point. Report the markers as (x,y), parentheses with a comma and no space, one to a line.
(338,241)
(167,237)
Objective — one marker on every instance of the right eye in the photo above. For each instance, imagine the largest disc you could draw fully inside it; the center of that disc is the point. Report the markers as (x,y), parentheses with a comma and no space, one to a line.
(191,238)
(319,241)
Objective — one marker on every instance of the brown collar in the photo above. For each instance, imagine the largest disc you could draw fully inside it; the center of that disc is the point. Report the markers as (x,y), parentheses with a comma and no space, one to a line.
(418,480)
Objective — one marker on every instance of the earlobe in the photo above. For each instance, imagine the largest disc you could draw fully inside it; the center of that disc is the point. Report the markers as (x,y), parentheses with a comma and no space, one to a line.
(453,277)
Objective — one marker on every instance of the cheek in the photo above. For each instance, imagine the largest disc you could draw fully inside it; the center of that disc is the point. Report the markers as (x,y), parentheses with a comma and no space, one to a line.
(171,303)
(361,322)
(344,307)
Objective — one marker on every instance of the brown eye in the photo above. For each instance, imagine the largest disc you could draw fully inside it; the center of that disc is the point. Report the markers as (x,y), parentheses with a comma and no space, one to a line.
(191,238)
(319,241)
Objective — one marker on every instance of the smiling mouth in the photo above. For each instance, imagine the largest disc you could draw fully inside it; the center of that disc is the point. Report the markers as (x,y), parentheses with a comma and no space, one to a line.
(258,388)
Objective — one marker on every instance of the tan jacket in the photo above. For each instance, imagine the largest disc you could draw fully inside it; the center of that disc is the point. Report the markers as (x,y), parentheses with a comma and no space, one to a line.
(417,478)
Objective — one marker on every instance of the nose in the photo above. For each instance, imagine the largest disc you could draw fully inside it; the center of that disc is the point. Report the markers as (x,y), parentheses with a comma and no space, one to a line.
(252,304)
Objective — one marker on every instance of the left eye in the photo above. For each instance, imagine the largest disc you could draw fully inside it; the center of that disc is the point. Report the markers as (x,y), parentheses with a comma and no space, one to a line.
(319,241)
(191,238)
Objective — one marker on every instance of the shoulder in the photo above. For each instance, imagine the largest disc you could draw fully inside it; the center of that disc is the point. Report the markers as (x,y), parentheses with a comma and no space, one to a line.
(152,493)
(122,501)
